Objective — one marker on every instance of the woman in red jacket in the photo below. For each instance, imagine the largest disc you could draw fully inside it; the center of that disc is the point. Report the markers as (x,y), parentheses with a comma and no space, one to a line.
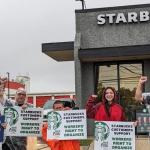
(108,109)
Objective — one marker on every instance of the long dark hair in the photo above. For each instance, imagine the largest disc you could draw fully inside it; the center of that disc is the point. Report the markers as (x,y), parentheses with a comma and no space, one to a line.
(105,101)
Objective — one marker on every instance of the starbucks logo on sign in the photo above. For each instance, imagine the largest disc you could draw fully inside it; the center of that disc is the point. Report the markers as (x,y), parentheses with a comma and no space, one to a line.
(101,131)
(11,115)
(54,120)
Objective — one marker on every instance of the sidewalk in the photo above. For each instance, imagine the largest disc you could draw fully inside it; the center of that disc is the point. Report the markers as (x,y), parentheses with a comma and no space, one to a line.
(141,143)
(44,147)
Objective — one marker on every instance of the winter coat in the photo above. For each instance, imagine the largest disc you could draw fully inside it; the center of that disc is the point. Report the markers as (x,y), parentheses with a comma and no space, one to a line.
(98,111)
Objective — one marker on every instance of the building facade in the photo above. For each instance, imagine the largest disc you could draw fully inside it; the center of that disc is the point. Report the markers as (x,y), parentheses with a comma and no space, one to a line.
(111,48)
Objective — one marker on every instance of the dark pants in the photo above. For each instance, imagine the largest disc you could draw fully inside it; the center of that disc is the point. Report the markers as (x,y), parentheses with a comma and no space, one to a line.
(5,147)
(15,143)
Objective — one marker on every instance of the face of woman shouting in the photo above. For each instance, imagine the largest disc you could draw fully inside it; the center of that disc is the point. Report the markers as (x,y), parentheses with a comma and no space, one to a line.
(109,95)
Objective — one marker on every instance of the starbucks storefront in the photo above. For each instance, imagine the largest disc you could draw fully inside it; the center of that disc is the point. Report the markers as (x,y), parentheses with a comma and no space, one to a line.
(111,48)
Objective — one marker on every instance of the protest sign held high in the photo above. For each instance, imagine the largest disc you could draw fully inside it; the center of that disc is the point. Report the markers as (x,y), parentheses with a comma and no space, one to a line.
(27,122)
(110,135)
(70,124)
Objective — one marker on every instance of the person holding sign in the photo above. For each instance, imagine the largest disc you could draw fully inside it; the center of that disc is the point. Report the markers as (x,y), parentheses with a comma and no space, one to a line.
(108,109)
(4,102)
(104,114)
(60,144)
(14,142)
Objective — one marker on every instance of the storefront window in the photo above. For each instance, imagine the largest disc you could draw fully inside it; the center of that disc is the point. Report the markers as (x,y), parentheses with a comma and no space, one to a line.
(124,78)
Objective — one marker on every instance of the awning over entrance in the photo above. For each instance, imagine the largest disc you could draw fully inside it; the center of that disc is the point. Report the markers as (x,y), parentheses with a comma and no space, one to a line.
(60,51)
(137,52)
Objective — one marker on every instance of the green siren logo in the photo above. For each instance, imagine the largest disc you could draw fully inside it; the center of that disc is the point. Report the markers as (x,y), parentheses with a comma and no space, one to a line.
(11,115)
(54,120)
(101,131)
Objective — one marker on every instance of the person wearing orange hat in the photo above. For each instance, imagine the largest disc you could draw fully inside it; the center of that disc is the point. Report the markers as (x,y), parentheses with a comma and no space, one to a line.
(60,144)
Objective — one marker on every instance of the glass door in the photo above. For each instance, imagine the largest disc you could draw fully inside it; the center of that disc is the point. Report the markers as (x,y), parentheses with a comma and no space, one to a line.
(124,78)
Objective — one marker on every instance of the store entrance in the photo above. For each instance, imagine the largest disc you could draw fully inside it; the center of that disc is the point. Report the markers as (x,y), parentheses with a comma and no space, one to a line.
(124,78)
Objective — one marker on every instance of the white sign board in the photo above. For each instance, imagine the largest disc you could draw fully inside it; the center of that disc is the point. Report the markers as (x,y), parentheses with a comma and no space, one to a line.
(69,124)
(23,122)
(112,135)
(146,97)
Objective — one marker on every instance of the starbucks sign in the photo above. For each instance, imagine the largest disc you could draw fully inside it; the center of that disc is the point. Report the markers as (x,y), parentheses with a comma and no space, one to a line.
(130,17)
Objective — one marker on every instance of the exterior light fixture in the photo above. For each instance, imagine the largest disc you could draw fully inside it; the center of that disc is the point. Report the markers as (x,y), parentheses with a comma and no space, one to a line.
(83,4)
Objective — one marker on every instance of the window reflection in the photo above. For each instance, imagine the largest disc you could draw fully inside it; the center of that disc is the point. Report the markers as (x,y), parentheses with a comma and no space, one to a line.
(124,78)
(129,75)
(108,76)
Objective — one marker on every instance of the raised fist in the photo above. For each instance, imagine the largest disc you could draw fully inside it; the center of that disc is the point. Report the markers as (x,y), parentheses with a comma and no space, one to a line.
(142,79)
(3,81)
(94,96)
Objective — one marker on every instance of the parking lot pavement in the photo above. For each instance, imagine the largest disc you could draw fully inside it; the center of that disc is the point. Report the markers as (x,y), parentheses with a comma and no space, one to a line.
(45,147)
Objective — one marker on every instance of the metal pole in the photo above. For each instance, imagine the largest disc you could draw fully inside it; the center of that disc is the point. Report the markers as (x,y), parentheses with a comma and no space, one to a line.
(118,79)
(83,4)
(8,85)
